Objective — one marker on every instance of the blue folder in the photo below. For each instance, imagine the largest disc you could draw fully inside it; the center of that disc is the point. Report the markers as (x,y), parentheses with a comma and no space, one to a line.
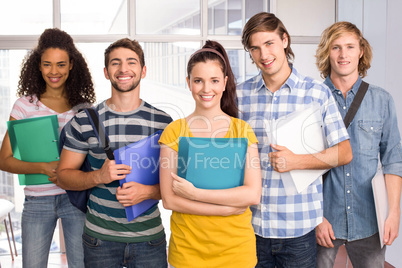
(212,163)
(34,140)
(143,157)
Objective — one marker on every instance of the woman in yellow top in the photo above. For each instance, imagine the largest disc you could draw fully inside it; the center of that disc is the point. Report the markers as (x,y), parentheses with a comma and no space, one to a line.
(210,228)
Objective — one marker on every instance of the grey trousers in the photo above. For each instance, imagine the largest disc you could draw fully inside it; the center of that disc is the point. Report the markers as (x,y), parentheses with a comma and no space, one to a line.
(363,253)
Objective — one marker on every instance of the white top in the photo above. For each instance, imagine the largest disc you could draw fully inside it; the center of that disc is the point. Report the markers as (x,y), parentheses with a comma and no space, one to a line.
(22,109)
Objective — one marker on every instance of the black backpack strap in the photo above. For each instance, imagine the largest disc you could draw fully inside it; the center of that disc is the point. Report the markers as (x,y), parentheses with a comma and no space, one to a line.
(355,104)
(352,111)
(100,132)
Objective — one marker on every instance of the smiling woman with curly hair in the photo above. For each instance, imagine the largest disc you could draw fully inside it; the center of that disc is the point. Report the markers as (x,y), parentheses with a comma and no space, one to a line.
(54,80)
(78,87)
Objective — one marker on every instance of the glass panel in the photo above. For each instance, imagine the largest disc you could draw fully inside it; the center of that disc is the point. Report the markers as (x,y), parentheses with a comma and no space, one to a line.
(94,16)
(165,85)
(10,64)
(234,17)
(225,17)
(253,7)
(25,17)
(251,68)
(305,60)
(238,60)
(292,12)
(168,17)
(94,57)
(235,61)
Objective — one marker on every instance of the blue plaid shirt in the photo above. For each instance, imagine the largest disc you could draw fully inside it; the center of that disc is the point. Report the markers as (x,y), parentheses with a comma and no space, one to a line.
(279,215)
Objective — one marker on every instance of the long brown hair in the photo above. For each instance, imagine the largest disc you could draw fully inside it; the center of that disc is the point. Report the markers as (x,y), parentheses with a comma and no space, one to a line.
(228,100)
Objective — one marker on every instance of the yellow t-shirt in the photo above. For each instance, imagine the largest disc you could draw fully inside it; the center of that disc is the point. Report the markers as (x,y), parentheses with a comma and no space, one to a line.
(210,241)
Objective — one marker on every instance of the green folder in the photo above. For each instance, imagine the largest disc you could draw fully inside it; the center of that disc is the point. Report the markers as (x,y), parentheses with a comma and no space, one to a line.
(34,140)
(212,163)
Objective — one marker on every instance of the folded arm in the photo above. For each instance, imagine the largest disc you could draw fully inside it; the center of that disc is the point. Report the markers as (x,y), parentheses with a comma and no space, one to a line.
(168,165)
(247,194)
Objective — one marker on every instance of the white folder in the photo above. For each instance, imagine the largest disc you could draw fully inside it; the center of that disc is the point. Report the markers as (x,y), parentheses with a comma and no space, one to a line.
(302,133)
(380,201)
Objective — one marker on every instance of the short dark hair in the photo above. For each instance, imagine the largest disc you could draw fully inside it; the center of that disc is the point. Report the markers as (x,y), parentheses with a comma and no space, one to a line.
(126,43)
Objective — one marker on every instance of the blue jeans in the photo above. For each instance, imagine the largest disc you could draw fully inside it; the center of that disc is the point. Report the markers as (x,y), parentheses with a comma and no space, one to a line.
(364,252)
(288,252)
(109,254)
(39,219)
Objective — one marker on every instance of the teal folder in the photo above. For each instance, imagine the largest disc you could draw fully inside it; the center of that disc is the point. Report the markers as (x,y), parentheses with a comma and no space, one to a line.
(212,163)
(34,140)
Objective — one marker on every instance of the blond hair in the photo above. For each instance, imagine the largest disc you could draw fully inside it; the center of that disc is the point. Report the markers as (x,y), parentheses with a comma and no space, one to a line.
(332,33)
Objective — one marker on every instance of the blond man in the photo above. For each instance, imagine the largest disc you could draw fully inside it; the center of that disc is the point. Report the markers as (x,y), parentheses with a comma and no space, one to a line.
(343,58)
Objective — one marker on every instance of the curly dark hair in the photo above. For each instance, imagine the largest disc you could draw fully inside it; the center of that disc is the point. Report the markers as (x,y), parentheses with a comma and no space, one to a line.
(79,86)
(228,100)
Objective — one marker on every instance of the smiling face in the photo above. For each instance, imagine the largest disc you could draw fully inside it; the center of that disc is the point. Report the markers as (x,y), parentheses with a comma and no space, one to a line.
(344,56)
(267,50)
(207,84)
(124,70)
(55,67)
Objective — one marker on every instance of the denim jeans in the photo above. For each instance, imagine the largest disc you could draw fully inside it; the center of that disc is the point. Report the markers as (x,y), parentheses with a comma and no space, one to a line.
(287,252)
(109,254)
(39,219)
(362,253)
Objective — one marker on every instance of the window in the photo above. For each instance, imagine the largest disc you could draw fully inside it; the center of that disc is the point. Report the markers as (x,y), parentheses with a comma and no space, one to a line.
(168,17)
(17,18)
(94,16)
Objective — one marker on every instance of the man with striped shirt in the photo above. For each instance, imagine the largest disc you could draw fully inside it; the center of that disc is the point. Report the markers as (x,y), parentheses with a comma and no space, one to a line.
(109,239)
(284,223)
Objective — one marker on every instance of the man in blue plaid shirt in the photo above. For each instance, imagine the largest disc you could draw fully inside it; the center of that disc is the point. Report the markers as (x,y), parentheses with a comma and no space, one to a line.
(284,223)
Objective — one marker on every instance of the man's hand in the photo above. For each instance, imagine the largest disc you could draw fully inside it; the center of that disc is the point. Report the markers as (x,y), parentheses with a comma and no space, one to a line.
(283,159)
(131,193)
(391,228)
(110,171)
(324,234)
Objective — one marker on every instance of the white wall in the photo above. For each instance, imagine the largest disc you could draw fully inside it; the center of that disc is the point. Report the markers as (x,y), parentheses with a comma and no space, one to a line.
(392,70)
(381,24)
